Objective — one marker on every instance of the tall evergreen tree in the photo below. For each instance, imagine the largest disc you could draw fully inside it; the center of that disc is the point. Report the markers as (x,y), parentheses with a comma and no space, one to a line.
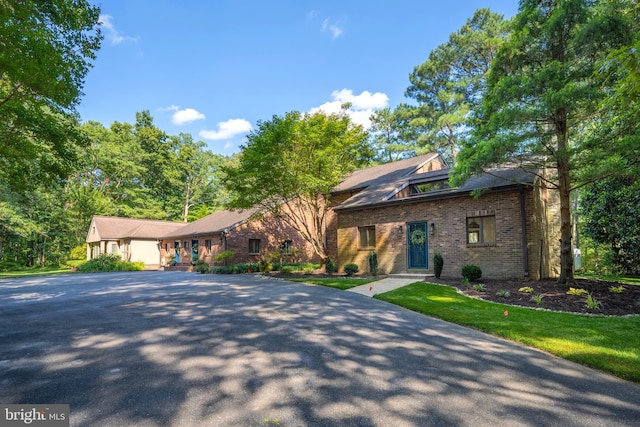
(542,99)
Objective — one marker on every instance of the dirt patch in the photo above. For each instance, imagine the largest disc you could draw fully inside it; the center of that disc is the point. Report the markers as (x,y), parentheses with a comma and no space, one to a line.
(554,295)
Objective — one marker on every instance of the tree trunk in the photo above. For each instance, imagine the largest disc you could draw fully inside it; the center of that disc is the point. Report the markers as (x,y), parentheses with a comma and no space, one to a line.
(564,187)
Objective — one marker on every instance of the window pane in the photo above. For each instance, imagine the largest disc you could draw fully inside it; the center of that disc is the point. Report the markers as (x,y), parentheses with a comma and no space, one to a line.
(489,229)
(473,236)
(367,237)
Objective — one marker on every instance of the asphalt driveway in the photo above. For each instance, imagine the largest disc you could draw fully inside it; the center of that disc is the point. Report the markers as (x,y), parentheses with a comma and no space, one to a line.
(183,349)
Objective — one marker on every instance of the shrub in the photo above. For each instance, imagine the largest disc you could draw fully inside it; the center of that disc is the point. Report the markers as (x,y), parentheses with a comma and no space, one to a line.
(373,263)
(537,298)
(224,256)
(351,269)
(222,269)
(286,270)
(438,263)
(503,293)
(79,252)
(616,289)
(201,266)
(100,264)
(308,268)
(265,265)
(479,287)
(577,291)
(471,272)
(330,266)
(593,303)
(526,290)
(106,262)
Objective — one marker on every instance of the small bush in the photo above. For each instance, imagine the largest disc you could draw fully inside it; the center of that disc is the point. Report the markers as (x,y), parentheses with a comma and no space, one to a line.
(224,256)
(79,252)
(351,269)
(201,266)
(373,263)
(222,269)
(330,266)
(593,303)
(537,298)
(265,266)
(287,269)
(308,268)
(503,293)
(438,264)
(616,289)
(106,262)
(577,291)
(526,290)
(479,287)
(471,272)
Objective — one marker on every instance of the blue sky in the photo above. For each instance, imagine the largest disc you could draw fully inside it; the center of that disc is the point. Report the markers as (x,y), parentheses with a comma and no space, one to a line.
(215,68)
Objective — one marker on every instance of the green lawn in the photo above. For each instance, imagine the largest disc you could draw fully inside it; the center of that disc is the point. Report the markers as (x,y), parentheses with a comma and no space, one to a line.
(337,282)
(630,280)
(611,344)
(40,271)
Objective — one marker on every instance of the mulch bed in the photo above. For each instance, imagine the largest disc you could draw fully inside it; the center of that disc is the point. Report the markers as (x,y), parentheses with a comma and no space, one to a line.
(555,295)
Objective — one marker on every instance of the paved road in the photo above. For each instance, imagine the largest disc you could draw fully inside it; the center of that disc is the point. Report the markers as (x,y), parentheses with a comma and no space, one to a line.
(182,349)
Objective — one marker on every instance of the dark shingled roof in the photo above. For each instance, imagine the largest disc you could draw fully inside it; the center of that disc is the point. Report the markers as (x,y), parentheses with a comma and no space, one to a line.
(211,224)
(389,171)
(115,228)
(381,190)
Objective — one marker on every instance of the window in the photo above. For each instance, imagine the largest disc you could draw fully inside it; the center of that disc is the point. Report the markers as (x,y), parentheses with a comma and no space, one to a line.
(254,246)
(286,247)
(367,237)
(114,248)
(428,187)
(207,246)
(481,229)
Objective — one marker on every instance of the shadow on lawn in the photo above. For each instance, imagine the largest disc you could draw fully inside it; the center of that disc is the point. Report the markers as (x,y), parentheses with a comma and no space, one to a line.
(184,349)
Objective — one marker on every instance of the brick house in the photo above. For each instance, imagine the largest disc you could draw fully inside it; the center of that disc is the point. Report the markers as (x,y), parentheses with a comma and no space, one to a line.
(247,233)
(406,211)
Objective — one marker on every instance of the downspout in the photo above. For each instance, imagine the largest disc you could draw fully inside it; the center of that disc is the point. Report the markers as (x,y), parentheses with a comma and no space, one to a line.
(523,220)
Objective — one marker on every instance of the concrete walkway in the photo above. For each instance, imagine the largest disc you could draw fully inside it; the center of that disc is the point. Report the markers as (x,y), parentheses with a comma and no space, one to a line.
(381,286)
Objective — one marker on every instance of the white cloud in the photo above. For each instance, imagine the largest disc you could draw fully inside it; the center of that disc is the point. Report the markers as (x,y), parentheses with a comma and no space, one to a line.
(169,108)
(336,28)
(112,33)
(362,106)
(227,130)
(187,115)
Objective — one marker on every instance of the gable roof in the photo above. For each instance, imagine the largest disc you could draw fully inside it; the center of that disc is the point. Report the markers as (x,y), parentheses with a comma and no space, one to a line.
(216,222)
(116,228)
(368,177)
(382,190)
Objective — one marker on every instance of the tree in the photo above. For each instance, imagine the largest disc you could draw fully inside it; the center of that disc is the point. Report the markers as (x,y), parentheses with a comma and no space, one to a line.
(450,84)
(47,49)
(610,209)
(542,100)
(290,165)
(390,134)
(197,174)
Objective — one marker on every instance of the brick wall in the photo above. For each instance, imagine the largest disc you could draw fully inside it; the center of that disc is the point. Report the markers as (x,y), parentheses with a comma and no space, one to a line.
(502,259)
(268,230)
